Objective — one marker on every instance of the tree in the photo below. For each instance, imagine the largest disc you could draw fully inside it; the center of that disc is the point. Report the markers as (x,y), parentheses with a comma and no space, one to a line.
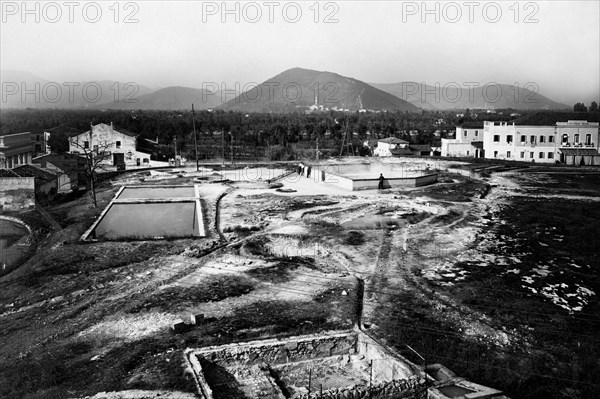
(580,107)
(594,106)
(59,142)
(95,155)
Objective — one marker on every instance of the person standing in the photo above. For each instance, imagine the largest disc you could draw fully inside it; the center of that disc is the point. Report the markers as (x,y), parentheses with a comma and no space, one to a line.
(381,181)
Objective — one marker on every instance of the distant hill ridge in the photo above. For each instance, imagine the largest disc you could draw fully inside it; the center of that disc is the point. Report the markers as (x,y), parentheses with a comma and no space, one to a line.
(294,90)
(298,89)
(488,96)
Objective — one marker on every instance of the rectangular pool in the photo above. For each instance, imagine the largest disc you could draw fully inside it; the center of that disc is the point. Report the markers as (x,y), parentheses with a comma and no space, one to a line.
(150,220)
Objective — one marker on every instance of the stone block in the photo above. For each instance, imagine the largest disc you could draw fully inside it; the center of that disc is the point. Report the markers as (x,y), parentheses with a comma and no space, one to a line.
(179,327)
(197,319)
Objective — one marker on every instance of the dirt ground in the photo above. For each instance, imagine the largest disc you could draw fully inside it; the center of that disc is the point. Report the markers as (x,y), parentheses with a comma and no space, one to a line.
(501,289)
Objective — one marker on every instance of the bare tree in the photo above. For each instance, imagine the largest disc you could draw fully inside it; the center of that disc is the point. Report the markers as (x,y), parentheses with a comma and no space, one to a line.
(95,155)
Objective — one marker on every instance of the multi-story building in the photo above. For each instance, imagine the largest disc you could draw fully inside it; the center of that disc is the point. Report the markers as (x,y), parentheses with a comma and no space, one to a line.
(468,142)
(546,144)
(15,149)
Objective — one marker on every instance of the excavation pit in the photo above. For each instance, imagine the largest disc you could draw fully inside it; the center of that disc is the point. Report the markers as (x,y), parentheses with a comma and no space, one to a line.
(335,364)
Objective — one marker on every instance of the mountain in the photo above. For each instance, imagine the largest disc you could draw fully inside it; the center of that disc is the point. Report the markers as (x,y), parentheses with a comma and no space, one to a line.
(296,89)
(483,97)
(21,89)
(170,98)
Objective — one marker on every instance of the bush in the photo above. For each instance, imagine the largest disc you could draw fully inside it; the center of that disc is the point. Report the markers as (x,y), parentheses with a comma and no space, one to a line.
(355,238)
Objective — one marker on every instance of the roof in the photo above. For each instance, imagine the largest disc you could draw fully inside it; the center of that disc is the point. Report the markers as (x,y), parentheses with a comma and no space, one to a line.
(33,171)
(579,151)
(115,128)
(66,162)
(14,134)
(392,140)
(8,173)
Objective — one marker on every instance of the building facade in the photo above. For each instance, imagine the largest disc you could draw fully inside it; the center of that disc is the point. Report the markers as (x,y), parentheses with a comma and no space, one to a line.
(116,147)
(467,143)
(386,147)
(545,144)
(15,150)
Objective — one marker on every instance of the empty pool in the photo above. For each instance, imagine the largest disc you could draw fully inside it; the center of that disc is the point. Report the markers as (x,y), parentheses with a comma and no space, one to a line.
(150,220)
(150,212)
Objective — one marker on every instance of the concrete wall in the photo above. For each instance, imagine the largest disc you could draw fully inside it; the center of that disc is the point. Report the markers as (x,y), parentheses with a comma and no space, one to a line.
(330,174)
(373,184)
(17,193)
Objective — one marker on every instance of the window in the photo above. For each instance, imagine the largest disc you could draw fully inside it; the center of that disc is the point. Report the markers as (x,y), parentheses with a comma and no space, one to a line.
(509,138)
(467,152)
(550,155)
(550,139)
(496,138)
(86,144)
(531,155)
(507,154)
(541,155)
(522,154)
(495,154)
(565,138)
(523,139)
(96,148)
(465,133)
(532,139)
(476,133)
(542,139)
(37,137)
(576,138)
(588,139)
(118,143)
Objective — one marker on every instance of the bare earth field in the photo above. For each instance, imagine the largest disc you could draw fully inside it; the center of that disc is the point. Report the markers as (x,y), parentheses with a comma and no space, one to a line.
(502,289)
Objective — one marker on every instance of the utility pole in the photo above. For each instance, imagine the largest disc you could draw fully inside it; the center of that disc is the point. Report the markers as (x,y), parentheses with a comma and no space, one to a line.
(223,146)
(317,149)
(195,139)
(231,147)
(175,145)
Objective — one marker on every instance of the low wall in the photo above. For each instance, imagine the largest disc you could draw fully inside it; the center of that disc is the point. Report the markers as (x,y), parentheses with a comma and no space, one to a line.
(333,174)
(397,389)
(372,184)
(17,193)
(275,351)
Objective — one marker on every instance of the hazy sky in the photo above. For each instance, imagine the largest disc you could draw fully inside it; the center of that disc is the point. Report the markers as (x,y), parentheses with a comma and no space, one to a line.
(554,44)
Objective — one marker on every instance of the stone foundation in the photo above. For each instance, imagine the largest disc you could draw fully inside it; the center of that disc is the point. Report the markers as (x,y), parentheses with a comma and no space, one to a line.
(340,364)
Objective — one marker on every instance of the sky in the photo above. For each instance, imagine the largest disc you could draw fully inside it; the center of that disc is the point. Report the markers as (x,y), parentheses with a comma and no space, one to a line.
(552,44)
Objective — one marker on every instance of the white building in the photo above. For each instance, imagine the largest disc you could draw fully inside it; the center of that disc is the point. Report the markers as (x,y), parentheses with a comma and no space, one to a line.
(547,144)
(117,147)
(385,147)
(467,142)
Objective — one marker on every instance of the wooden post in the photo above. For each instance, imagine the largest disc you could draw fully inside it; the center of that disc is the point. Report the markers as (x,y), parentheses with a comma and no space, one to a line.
(371,380)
